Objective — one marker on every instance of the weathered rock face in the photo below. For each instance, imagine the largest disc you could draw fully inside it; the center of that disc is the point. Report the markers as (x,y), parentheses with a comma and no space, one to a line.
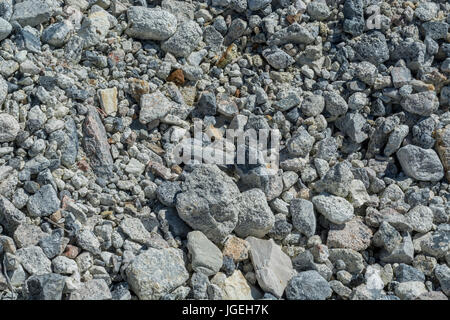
(420,164)
(206,202)
(273,268)
(156,272)
(96,145)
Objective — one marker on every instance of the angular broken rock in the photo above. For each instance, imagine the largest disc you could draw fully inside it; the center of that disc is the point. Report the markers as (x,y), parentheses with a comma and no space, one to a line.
(206,257)
(354,234)
(303,217)
(443,148)
(108,100)
(33,260)
(206,202)
(420,164)
(154,106)
(273,268)
(10,216)
(255,216)
(150,24)
(9,128)
(234,287)
(156,272)
(95,289)
(44,202)
(335,209)
(96,145)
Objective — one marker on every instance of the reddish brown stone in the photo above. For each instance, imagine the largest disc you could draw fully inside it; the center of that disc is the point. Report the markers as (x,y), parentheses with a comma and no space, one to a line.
(177,77)
(71,251)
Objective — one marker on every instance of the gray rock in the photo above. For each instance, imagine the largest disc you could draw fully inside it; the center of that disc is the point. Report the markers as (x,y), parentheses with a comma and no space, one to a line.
(156,272)
(387,236)
(353,260)
(335,105)
(277,58)
(33,260)
(337,180)
(442,273)
(95,289)
(354,22)
(406,273)
(9,127)
(335,209)
(400,76)
(313,105)
(28,235)
(420,164)
(185,39)
(255,216)
(273,268)
(420,218)
(32,12)
(422,103)
(410,290)
(372,47)
(87,240)
(426,11)
(5,29)
(403,253)
(300,144)
(10,216)
(44,287)
(167,193)
(154,106)
(235,31)
(205,202)
(318,10)
(352,125)
(135,230)
(57,34)
(308,285)
(303,217)
(439,243)
(150,24)
(395,139)
(206,257)
(255,5)
(44,202)
(96,145)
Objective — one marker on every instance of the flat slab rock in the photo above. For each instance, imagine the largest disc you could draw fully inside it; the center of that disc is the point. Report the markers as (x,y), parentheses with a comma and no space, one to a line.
(273,268)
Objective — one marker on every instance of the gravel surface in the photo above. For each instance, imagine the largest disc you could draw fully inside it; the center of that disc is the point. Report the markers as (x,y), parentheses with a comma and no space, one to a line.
(348,198)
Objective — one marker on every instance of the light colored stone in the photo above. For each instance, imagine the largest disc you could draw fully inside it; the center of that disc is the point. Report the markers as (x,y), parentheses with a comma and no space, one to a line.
(108,100)
(273,268)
